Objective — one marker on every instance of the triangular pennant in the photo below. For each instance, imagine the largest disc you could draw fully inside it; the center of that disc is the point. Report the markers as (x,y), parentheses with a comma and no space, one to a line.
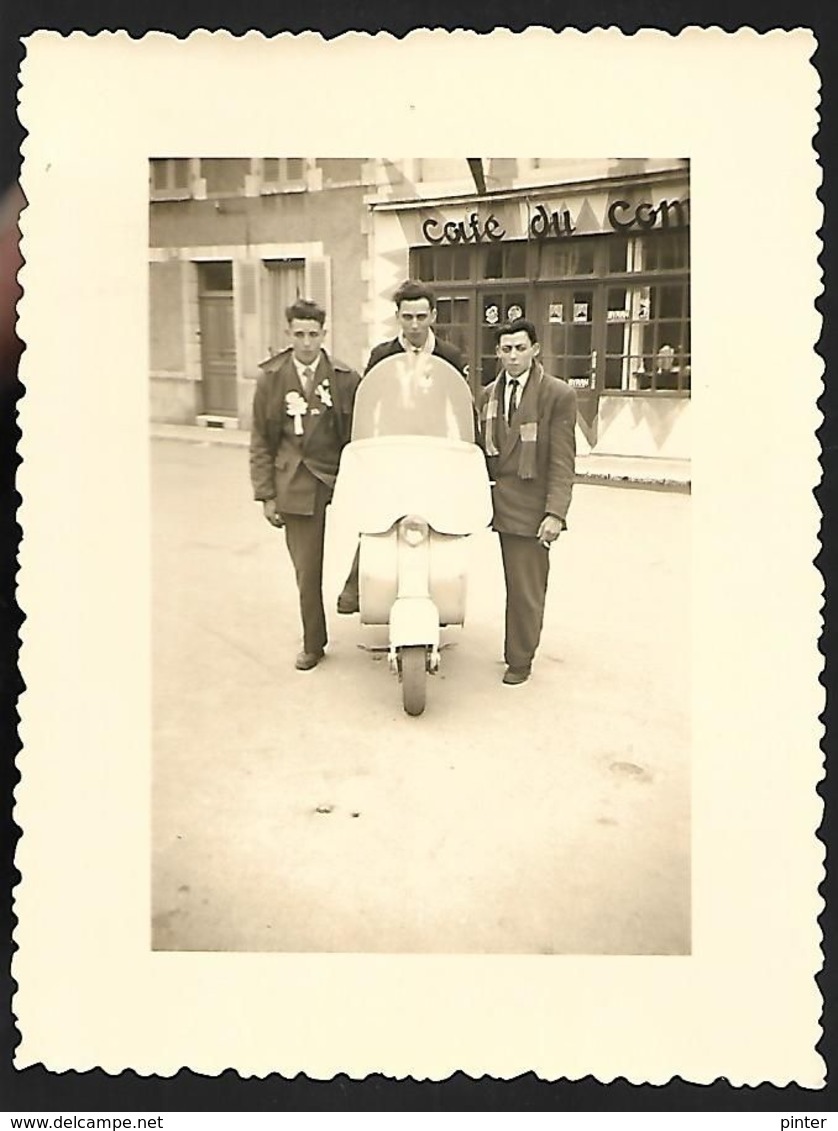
(586,220)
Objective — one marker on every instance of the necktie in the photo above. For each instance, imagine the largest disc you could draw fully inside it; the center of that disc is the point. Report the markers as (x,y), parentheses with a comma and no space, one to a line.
(514,389)
(308,377)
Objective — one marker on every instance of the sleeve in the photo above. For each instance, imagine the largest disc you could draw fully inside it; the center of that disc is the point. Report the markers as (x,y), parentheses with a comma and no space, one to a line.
(261,449)
(561,468)
(353,380)
(480,425)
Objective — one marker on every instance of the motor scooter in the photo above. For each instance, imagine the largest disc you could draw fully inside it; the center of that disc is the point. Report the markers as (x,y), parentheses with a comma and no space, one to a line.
(416,487)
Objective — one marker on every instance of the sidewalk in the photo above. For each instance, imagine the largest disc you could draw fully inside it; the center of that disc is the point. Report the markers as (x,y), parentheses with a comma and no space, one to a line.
(619,471)
(635,471)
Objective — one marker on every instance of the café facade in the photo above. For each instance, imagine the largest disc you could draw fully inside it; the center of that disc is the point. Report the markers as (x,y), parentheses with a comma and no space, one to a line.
(595,253)
(600,265)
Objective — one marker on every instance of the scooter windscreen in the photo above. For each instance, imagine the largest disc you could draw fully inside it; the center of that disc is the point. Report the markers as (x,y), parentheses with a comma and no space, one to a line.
(413,395)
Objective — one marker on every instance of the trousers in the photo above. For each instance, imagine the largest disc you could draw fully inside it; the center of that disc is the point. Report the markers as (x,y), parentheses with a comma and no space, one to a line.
(304,536)
(526,568)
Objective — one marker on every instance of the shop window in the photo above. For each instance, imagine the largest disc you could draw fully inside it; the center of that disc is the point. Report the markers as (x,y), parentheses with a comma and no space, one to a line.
(224,176)
(647,346)
(496,307)
(656,251)
(454,311)
(619,248)
(563,259)
(454,315)
(667,251)
(503,261)
(169,178)
(441,264)
(568,334)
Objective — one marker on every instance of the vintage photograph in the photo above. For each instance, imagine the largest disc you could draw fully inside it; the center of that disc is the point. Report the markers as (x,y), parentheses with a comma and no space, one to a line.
(431,684)
(421,474)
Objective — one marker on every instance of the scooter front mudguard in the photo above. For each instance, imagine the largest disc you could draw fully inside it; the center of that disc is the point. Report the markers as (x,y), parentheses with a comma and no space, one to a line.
(414,621)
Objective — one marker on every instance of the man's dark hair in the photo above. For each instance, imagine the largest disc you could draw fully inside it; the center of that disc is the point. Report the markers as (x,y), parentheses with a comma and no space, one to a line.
(514,326)
(412,289)
(305,308)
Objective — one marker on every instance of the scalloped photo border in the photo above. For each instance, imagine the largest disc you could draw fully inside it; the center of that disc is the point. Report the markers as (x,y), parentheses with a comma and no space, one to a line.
(743,107)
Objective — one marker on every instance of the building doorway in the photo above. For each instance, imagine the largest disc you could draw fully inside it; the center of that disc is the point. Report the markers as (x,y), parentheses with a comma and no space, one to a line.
(218,339)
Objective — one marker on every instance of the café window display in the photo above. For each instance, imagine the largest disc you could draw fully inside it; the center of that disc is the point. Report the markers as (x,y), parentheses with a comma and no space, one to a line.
(612,310)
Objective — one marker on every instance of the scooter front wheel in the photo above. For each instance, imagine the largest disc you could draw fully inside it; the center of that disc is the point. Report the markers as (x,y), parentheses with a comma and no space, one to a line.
(414,669)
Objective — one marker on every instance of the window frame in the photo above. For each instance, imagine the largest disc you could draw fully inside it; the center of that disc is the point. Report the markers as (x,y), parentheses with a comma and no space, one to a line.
(171,191)
(534,284)
(283,183)
(224,194)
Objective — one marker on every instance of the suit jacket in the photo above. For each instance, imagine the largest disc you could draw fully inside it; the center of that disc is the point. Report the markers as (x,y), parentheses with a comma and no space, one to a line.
(518,504)
(287,466)
(441,349)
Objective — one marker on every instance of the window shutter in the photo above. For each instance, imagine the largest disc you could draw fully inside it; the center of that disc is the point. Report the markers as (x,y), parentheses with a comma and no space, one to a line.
(166,317)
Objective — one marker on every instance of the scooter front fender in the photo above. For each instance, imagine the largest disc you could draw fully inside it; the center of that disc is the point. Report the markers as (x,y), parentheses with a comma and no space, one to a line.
(414,621)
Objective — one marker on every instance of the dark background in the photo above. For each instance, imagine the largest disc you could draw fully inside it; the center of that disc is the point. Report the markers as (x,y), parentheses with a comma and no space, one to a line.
(37,1089)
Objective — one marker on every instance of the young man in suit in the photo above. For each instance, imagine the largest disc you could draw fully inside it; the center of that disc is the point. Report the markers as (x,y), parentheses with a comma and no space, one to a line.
(528,429)
(302,417)
(416,315)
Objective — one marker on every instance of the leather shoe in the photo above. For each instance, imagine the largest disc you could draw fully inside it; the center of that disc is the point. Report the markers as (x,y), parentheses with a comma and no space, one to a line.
(305,661)
(348,603)
(516,675)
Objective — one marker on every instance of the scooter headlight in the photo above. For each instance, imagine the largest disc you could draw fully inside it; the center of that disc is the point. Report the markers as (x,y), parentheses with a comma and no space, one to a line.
(413,529)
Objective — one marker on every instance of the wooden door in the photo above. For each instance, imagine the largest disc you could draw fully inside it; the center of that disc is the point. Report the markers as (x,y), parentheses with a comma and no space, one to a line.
(218,341)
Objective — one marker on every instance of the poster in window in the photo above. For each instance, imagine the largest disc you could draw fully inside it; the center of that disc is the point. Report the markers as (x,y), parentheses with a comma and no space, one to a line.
(492,314)
(580,312)
(644,305)
(618,315)
(515,311)
(555,312)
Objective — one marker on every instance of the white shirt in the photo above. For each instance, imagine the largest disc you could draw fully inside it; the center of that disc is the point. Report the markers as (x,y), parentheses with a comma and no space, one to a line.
(298,365)
(426,347)
(507,392)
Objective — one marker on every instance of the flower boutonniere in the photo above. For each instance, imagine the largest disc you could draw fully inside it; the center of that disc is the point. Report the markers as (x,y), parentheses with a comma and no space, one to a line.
(324,392)
(296,408)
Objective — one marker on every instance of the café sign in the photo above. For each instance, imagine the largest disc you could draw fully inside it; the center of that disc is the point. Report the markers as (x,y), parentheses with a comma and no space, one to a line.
(547,223)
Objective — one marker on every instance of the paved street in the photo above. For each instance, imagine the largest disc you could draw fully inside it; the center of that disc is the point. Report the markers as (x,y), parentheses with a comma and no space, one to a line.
(307,812)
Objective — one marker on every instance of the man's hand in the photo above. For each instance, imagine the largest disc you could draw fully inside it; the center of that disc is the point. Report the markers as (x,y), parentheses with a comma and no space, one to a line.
(550,529)
(271,513)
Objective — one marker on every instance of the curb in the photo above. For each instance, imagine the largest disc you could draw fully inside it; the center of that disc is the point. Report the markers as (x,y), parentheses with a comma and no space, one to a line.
(647,482)
(234,437)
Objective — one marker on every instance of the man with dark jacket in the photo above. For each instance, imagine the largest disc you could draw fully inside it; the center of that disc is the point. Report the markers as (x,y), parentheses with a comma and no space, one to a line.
(416,315)
(528,430)
(302,417)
